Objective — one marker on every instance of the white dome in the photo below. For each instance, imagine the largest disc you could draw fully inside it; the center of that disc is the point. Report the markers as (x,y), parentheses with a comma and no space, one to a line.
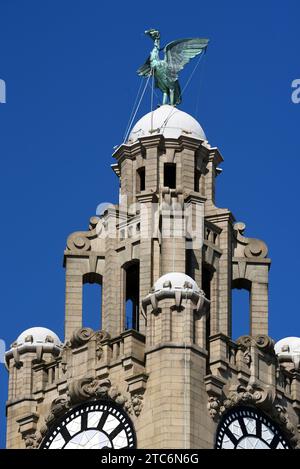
(168,121)
(39,335)
(176,281)
(288,351)
(287,345)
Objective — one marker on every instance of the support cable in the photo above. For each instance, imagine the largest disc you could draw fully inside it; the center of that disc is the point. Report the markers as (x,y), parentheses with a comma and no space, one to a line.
(135,112)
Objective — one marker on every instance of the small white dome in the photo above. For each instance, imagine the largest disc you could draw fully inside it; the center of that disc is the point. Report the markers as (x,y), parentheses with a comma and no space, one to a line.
(168,121)
(287,345)
(38,336)
(176,281)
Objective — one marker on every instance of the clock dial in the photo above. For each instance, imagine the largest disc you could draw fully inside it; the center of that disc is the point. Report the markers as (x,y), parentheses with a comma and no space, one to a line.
(247,428)
(95,425)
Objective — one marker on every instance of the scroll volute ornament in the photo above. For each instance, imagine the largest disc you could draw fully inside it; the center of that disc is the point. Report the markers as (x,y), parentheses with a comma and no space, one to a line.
(262,342)
(248,247)
(81,240)
(85,334)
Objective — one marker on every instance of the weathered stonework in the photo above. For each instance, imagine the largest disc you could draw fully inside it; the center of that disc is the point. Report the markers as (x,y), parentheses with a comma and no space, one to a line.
(180,372)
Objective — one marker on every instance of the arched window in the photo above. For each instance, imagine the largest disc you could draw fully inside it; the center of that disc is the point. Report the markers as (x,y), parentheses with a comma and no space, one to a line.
(92,301)
(240,309)
(132,294)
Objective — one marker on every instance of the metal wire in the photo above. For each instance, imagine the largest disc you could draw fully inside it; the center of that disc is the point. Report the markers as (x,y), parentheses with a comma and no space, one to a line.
(192,74)
(152,89)
(137,108)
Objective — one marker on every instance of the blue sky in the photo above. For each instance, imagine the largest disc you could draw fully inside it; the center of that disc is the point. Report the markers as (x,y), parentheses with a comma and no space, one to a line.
(70,68)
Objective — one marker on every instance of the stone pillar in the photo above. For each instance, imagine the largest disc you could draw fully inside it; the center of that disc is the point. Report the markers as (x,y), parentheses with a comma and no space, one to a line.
(222,305)
(73,301)
(175,340)
(259,308)
(112,298)
(148,212)
(152,146)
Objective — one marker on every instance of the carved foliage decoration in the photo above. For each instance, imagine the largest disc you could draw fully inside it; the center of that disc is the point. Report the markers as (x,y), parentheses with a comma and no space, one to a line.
(135,404)
(259,397)
(86,389)
(89,388)
(59,406)
(243,395)
(81,337)
(32,440)
(248,247)
(93,388)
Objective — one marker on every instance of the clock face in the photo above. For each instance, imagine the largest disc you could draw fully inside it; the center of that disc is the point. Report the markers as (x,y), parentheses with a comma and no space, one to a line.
(247,428)
(94,425)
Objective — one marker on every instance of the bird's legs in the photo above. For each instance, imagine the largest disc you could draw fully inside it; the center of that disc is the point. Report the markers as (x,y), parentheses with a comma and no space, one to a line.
(165,98)
(171,97)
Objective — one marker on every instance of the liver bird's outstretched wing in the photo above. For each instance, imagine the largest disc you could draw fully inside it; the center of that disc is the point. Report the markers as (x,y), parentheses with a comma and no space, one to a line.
(179,53)
(145,70)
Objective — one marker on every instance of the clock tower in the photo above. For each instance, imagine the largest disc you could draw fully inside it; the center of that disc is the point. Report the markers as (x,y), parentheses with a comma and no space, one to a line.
(162,370)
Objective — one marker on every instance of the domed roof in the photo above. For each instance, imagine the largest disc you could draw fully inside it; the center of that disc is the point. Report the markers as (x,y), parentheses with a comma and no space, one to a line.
(288,345)
(38,340)
(38,336)
(168,121)
(176,281)
(288,351)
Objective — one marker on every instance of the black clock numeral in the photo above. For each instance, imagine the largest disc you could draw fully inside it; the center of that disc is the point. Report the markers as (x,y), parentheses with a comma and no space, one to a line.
(102,420)
(258,429)
(242,425)
(84,421)
(65,434)
(274,442)
(231,436)
(116,431)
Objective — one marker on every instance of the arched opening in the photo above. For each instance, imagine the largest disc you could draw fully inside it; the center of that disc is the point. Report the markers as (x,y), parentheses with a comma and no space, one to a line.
(240,309)
(140,179)
(170,175)
(92,301)
(132,294)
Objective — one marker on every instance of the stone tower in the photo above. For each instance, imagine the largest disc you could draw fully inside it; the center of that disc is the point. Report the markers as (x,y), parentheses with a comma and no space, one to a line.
(162,371)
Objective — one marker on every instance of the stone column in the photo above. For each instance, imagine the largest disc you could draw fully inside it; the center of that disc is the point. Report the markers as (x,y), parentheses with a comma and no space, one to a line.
(73,301)
(259,308)
(174,409)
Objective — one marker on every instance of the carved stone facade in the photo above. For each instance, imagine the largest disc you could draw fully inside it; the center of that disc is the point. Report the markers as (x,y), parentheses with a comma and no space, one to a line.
(169,249)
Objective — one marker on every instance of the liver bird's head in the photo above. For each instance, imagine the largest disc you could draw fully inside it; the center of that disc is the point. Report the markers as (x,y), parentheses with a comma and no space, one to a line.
(153,33)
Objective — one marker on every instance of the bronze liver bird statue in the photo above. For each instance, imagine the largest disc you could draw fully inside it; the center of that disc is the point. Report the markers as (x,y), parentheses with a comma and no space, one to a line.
(177,55)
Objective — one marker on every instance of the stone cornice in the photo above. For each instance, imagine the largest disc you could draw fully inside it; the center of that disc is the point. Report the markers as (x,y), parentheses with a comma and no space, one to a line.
(194,197)
(145,196)
(221,215)
(251,260)
(175,345)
